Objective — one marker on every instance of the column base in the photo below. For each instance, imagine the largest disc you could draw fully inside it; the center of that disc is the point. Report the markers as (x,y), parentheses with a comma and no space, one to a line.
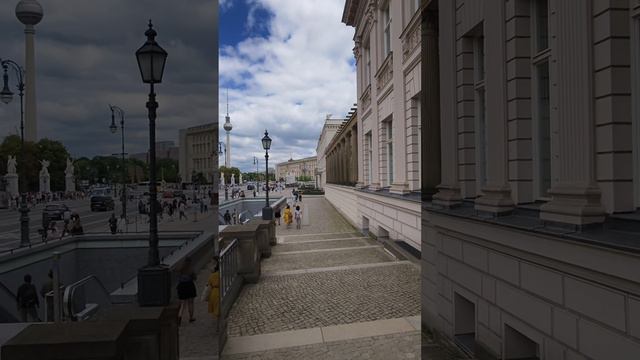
(360,185)
(573,205)
(401,188)
(375,187)
(495,201)
(447,196)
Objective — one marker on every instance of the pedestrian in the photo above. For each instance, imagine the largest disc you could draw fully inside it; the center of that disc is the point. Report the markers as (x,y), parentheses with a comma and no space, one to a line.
(181,209)
(278,215)
(52,231)
(214,294)
(186,289)
(27,300)
(227,218)
(113,223)
(254,193)
(288,216)
(298,216)
(234,216)
(300,197)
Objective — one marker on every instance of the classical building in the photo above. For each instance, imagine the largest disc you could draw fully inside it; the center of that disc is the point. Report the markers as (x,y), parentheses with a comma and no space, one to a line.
(329,129)
(341,155)
(531,179)
(164,150)
(385,200)
(198,151)
(297,168)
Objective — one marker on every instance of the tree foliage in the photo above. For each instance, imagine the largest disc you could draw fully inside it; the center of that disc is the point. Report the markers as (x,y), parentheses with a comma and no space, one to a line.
(227,173)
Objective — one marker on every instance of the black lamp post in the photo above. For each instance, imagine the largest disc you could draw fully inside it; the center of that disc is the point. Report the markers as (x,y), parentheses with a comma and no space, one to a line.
(154,282)
(6,96)
(114,128)
(267,212)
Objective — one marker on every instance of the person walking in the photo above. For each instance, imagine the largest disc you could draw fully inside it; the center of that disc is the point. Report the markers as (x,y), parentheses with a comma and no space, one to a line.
(122,223)
(278,215)
(113,223)
(288,216)
(181,209)
(298,216)
(186,289)
(44,290)
(227,218)
(27,300)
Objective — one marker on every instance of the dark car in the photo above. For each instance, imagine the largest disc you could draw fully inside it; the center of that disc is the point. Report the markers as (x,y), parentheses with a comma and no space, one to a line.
(102,203)
(55,211)
(250,187)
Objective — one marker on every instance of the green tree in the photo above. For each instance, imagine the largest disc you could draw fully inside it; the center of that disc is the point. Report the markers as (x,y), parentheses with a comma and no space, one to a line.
(167,168)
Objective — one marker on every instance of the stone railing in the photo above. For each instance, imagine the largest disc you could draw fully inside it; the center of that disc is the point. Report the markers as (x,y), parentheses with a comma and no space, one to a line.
(410,38)
(385,73)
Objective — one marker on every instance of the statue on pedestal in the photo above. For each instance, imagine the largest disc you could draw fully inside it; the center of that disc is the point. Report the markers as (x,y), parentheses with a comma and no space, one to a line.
(11,165)
(44,171)
(45,185)
(69,170)
(69,179)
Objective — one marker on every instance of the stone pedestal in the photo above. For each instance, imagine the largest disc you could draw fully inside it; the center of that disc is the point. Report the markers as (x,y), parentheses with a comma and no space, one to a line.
(69,183)
(12,184)
(268,228)
(45,183)
(248,249)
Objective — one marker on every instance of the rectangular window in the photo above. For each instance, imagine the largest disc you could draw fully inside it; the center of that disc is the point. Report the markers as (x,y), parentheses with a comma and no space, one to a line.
(541,23)
(389,139)
(367,63)
(480,112)
(386,30)
(635,107)
(369,157)
(543,141)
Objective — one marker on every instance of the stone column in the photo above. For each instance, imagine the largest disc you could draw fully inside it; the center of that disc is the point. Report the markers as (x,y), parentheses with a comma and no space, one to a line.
(376,61)
(448,194)
(354,155)
(575,194)
(399,184)
(496,194)
(30,109)
(430,107)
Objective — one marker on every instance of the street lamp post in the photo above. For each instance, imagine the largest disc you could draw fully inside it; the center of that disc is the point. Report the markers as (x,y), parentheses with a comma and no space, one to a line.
(255,162)
(154,282)
(267,212)
(6,96)
(114,129)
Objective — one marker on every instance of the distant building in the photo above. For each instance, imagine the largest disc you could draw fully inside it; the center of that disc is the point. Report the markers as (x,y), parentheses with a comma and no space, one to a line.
(297,168)
(197,151)
(331,126)
(164,150)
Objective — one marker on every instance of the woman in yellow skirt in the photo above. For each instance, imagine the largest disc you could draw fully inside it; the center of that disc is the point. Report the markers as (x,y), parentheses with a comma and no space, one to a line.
(288,216)
(214,295)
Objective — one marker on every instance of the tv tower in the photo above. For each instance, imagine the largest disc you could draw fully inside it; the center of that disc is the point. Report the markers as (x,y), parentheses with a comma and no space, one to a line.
(227,128)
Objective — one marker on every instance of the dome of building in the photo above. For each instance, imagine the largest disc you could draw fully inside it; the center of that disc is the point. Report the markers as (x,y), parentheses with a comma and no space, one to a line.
(29,12)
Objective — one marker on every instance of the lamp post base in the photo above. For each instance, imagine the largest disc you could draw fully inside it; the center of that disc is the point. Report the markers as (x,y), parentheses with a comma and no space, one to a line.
(24,223)
(154,286)
(267,213)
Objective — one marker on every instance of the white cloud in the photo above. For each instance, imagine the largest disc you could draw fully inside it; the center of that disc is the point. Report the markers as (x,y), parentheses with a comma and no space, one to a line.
(287,81)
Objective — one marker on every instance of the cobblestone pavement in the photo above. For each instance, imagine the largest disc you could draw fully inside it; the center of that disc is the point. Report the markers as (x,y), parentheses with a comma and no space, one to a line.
(291,302)
(316,237)
(198,338)
(282,262)
(323,218)
(319,245)
(396,346)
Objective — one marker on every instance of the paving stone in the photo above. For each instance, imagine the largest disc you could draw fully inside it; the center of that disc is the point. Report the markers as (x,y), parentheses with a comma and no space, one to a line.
(319,245)
(282,262)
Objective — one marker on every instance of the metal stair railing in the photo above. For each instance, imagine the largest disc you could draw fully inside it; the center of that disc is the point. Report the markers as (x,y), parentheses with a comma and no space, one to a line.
(71,308)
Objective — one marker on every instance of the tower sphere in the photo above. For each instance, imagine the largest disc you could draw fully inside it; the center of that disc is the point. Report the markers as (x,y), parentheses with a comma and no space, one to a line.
(29,12)
(227,125)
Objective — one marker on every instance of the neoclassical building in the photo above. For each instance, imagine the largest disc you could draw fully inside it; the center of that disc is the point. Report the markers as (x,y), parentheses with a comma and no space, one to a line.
(299,167)
(198,150)
(329,129)
(383,189)
(531,177)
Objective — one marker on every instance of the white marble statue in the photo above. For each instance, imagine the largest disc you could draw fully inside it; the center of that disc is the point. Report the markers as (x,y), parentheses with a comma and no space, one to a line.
(44,171)
(69,170)
(11,165)
(233,179)
(221,179)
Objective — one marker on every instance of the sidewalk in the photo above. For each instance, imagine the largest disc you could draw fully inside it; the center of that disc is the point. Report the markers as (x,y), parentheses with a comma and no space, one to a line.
(327,292)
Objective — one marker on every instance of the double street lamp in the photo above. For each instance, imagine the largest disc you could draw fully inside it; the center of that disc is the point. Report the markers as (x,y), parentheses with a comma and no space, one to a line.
(114,128)
(267,212)
(6,96)
(154,282)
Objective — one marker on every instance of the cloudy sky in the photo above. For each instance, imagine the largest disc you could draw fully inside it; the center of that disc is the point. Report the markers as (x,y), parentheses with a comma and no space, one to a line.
(286,65)
(85,61)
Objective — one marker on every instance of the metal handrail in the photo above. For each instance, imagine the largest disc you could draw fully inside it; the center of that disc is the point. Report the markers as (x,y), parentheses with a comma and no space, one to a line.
(70,291)
(228,260)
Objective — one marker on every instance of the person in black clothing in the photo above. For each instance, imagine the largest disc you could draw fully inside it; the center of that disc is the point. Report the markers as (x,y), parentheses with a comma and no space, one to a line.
(227,218)
(27,299)
(113,223)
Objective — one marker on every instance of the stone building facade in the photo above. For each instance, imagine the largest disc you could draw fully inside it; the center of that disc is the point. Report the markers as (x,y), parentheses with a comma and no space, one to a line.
(530,228)
(297,168)
(198,152)
(329,129)
(342,154)
(385,200)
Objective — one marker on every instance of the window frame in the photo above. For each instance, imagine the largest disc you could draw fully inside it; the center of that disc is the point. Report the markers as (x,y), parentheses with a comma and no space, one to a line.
(385,11)
(388,124)
(480,112)
(635,104)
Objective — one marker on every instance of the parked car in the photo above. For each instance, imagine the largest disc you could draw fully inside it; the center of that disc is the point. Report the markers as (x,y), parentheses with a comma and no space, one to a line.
(55,211)
(250,187)
(102,203)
